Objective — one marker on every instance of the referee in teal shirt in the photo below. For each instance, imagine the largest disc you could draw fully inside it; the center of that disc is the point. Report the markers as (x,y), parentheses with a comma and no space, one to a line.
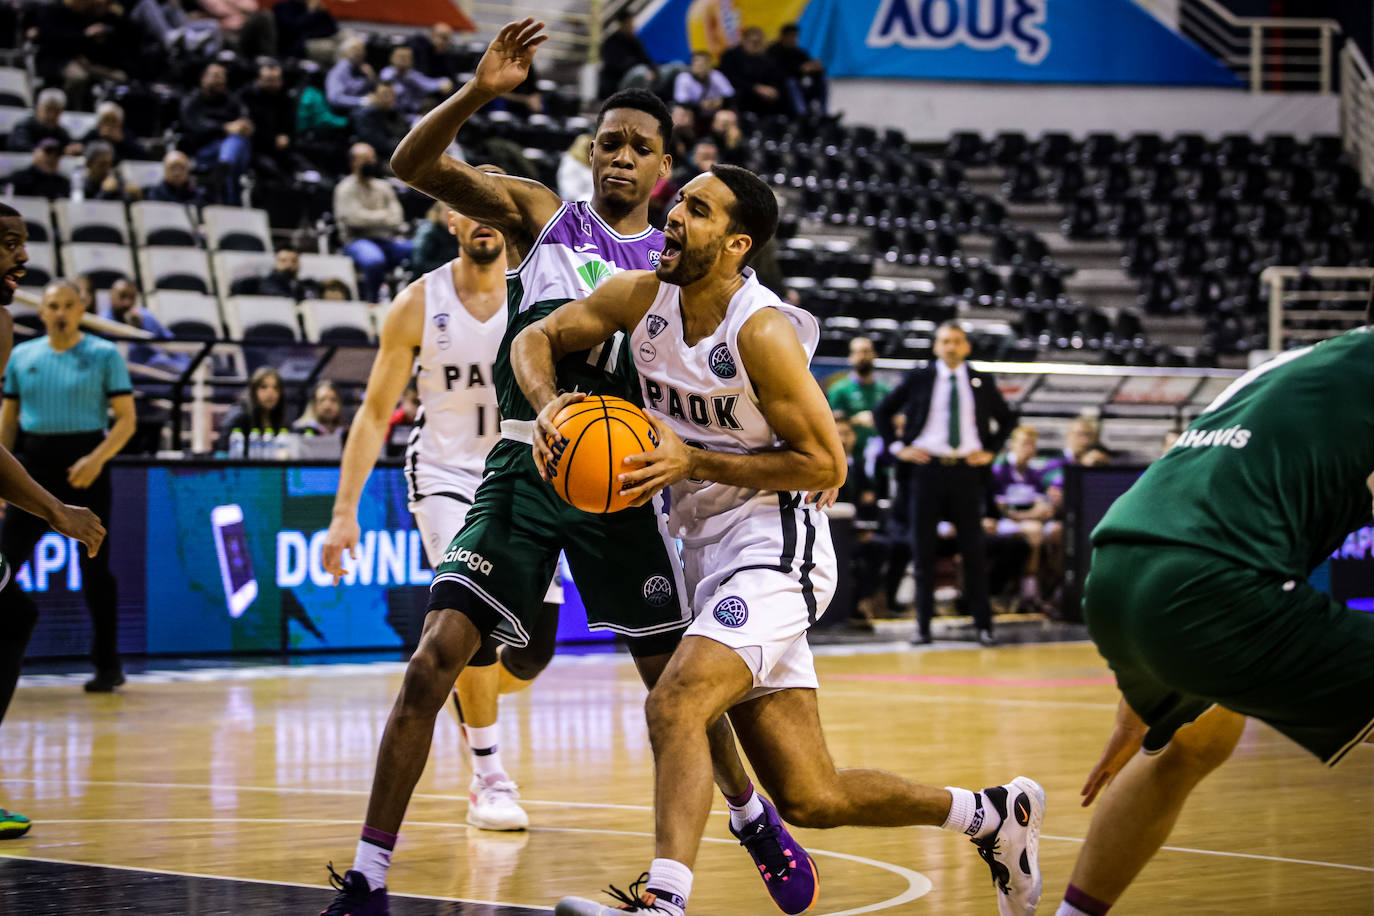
(59,392)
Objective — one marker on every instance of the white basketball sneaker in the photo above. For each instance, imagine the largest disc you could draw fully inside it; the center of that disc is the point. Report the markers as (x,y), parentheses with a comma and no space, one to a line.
(1013,851)
(492,804)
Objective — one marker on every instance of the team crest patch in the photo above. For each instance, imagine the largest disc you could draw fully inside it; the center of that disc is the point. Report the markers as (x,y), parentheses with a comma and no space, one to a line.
(658,591)
(722,363)
(655,324)
(731,612)
(653,259)
(441,321)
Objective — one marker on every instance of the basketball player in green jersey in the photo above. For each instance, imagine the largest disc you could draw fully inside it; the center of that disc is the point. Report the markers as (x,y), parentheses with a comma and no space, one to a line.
(625,564)
(1197,598)
(17,611)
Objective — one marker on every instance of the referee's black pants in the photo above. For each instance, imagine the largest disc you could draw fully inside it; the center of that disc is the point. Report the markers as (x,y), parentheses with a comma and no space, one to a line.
(956,493)
(47,458)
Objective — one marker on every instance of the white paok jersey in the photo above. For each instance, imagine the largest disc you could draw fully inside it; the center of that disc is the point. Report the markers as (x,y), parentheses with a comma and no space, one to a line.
(704,394)
(457,423)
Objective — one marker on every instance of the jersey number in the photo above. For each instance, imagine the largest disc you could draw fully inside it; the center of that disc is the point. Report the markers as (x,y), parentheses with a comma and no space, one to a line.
(1239,384)
(481,420)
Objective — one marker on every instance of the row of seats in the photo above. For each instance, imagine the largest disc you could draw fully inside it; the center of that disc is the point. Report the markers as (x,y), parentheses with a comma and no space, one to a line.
(145,222)
(165,267)
(1142,148)
(265,318)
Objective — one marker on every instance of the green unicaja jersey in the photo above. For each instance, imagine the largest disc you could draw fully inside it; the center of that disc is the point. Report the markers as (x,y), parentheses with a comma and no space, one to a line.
(1274,473)
(608,368)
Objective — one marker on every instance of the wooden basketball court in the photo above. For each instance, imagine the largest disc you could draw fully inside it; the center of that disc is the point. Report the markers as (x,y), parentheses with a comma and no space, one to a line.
(261,776)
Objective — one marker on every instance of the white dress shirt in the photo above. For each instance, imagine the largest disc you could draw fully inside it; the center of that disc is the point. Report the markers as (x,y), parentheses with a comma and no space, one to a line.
(934,437)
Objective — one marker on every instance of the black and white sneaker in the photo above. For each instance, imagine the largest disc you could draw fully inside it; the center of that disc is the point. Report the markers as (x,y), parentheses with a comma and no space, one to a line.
(1013,850)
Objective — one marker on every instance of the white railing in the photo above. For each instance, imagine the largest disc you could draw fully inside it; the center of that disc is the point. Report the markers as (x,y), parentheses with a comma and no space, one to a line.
(1268,55)
(1339,299)
(1357,111)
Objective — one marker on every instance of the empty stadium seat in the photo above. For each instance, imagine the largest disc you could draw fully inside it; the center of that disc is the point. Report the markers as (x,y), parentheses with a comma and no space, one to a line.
(13,162)
(187,314)
(139,172)
(41,266)
(232,267)
(261,318)
(160,223)
(104,263)
(91,221)
(237,228)
(173,267)
(15,88)
(78,123)
(10,115)
(337,322)
(37,214)
(321,267)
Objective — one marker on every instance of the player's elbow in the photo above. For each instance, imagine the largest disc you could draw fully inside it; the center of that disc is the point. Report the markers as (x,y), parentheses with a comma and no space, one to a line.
(405,165)
(828,470)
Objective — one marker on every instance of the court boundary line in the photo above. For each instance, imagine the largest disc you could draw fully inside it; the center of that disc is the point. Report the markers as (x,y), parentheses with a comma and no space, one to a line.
(918,884)
(301,790)
(312,887)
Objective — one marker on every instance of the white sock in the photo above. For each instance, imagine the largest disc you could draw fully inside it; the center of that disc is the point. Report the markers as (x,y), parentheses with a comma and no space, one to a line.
(746,813)
(1030,588)
(486,751)
(373,861)
(671,881)
(971,814)
(1068,909)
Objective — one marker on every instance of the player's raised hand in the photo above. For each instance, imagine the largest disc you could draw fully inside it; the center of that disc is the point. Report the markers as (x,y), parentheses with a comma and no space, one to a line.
(507,60)
(652,471)
(341,538)
(80,523)
(547,438)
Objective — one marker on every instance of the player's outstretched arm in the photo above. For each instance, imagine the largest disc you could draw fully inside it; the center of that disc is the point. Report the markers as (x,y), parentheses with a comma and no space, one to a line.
(516,206)
(618,304)
(401,334)
(811,457)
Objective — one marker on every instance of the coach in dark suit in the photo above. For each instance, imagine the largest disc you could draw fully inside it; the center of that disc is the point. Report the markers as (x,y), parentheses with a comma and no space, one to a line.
(954,422)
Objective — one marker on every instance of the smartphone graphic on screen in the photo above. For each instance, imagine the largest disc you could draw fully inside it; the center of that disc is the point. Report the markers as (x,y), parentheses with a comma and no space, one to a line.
(235,566)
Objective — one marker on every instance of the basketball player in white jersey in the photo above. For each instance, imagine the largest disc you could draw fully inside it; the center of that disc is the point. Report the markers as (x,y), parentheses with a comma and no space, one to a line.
(724,364)
(455,317)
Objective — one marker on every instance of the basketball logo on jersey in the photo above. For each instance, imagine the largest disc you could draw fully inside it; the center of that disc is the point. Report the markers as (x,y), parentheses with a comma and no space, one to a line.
(655,324)
(722,363)
(593,272)
(653,259)
(731,612)
(658,591)
(647,352)
(442,340)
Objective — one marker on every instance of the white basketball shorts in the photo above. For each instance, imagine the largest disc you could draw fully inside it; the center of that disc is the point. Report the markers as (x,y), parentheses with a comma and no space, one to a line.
(760,588)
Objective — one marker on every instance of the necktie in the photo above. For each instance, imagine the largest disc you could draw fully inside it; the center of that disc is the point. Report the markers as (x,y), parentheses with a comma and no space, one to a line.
(954,430)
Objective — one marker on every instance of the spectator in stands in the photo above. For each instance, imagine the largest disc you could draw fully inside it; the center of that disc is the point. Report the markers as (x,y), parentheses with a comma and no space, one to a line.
(81,42)
(316,122)
(370,219)
(377,122)
(352,78)
(42,178)
(435,53)
(124,308)
(175,29)
(804,73)
(324,414)
(261,407)
(1095,455)
(575,170)
(273,115)
(334,290)
(414,90)
(956,420)
(434,244)
(1079,437)
(857,396)
(702,87)
(85,291)
(216,128)
(109,127)
(1028,492)
(250,31)
(301,21)
(101,182)
(728,136)
(44,124)
(621,52)
(177,185)
(284,279)
(402,421)
(759,84)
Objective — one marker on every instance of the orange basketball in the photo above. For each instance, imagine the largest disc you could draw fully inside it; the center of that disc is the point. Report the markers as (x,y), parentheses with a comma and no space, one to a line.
(601,432)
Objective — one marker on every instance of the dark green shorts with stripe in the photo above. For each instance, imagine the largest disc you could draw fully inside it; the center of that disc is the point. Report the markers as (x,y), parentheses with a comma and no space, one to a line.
(625,564)
(1184,628)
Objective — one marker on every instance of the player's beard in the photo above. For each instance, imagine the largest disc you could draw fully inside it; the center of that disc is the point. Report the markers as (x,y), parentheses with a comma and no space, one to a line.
(482,255)
(692,264)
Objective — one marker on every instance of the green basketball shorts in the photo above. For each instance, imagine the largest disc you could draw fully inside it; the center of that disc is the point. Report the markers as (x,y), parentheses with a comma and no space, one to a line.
(1183,628)
(625,564)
